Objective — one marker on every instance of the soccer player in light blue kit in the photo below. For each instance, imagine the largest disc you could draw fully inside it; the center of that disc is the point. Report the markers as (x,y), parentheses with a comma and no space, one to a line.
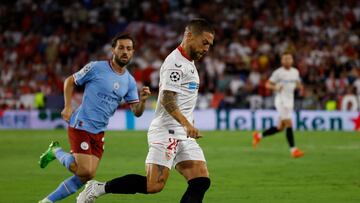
(107,83)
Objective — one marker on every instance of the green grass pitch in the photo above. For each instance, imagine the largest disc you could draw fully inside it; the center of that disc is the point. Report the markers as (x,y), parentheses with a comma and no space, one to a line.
(329,171)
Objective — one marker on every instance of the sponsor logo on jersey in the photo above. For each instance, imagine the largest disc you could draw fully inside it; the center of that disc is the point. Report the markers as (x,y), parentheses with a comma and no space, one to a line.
(193,86)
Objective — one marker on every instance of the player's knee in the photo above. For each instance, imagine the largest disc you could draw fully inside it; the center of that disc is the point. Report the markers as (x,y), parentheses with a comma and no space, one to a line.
(73,167)
(86,173)
(155,187)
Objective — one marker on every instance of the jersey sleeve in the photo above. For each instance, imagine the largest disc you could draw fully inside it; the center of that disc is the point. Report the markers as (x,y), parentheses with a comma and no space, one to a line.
(274,78)
(84,75)
(173,77)
(132,95)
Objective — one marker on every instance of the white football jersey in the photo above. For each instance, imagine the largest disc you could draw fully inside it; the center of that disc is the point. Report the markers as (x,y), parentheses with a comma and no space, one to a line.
(179,75)
(287,79)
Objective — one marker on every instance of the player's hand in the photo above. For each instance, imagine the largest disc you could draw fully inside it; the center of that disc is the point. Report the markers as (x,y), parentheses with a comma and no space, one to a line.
(302,91)
(145,93)
(192,132)
(278,88)
(66,113)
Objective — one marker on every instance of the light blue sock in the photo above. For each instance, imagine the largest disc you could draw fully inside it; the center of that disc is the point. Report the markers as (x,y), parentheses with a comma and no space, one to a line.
(66,188)
(65,158)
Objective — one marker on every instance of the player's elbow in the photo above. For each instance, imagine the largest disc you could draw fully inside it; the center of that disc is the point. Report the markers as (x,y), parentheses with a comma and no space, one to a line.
(136,110)
(69,81)
(137,113)
(85,173)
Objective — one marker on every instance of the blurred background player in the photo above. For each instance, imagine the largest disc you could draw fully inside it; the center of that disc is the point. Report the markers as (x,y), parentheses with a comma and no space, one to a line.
(107,83)
(171,133)
(283,82)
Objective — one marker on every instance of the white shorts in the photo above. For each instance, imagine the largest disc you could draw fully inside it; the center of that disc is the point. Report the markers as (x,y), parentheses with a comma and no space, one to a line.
(284,112)
(171,151)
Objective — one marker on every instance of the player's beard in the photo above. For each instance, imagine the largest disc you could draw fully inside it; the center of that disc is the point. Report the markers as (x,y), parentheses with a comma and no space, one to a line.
(120,62)
(195,55)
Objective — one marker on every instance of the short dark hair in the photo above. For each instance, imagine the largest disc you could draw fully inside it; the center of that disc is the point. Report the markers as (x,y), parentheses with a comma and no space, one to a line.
(286,53)
(121,36)
(200,25)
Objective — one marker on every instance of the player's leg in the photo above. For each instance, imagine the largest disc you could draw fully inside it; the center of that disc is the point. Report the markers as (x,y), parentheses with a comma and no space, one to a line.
(87,151)
(56,152)
(158,164)
(86,166)
(83,163)
(153,182)
(85,170)
(190,162)
(295,152)
(273,129)
(197,176)
(283,113)
(268,132)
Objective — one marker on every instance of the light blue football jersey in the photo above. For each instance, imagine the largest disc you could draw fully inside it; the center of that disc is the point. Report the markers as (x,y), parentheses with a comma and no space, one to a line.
(104,90)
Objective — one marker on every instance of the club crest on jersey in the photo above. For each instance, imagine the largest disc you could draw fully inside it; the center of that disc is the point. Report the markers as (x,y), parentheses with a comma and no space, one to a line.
(175,76)
(116,85)
(84,146)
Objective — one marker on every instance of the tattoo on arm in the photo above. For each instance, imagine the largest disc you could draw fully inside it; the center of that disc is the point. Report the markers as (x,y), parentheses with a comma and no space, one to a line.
(161,178)
(169,100)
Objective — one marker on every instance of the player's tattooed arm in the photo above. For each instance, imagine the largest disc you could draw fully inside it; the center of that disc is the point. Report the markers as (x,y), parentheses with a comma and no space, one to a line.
(168,100)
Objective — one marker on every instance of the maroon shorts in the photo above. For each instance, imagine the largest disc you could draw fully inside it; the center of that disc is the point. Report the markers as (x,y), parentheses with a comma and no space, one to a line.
(83,142)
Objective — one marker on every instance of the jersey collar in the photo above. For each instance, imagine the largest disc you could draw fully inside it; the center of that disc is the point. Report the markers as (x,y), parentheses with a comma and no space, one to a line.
(183,53)
(112,68)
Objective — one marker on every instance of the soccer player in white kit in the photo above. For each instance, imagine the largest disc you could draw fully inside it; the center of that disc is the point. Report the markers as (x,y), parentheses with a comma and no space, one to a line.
(171,136)
(283,82)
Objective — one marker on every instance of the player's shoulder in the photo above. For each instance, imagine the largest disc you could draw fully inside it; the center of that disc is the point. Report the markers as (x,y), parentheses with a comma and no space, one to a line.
(101,63)
(278,70)
(95,64)
(176,61)
(130,76)
(295,70)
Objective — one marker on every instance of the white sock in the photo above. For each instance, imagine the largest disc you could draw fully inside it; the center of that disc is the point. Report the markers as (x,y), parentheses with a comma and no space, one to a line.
(292,149)
(260,135)
(46,200)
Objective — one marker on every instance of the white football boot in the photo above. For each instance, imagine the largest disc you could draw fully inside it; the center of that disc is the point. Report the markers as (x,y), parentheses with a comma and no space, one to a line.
(93,189)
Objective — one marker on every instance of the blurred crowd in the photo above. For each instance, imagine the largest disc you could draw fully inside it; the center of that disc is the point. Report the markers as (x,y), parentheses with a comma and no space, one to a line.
(43,42)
